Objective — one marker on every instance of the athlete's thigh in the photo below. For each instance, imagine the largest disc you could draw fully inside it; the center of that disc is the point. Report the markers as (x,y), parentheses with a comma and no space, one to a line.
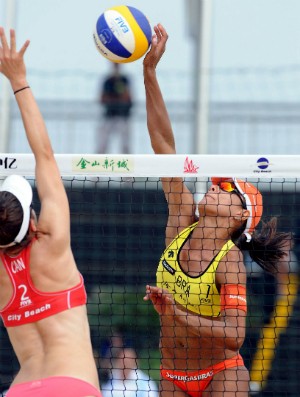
(229,383)
(168,389)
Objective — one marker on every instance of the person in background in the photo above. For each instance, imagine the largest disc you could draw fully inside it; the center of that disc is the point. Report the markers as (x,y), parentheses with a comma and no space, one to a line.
(200,294)
(109,349)
(42,294)
(126,380)
(116,100)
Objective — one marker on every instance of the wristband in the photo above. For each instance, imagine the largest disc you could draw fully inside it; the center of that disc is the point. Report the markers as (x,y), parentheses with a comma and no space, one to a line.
(21,89)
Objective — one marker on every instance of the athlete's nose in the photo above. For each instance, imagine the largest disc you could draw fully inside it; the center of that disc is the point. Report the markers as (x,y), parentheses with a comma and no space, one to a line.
(214,188)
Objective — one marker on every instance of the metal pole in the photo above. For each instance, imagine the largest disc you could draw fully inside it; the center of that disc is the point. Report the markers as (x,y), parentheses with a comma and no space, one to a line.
(202,77)
(6,89)
(200,15)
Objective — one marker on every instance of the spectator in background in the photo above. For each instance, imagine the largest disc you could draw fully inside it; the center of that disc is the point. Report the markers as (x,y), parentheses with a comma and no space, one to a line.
(116,100)
(287,284)
(110,348)
(126,380)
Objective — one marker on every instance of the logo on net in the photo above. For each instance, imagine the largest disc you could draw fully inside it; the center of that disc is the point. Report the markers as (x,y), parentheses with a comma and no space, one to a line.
(8,163)
(263,165)
(190,167)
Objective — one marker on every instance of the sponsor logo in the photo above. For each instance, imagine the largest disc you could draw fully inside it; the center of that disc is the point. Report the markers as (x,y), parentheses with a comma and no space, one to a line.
(187,378)
(171,254)
(25,302)
(189,167)
(238,298)
(103,163)
(14,317)
(122,24)
(263,165)
(29,313)
(39,310)
(8,163)
(168,267)
(105,36)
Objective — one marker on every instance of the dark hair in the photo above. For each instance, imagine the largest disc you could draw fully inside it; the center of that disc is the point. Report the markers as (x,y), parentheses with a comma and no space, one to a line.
(11,218)
(266,247)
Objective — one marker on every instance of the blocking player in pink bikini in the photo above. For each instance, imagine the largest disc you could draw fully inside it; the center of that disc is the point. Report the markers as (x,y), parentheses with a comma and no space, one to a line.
(200,293)
(42,294)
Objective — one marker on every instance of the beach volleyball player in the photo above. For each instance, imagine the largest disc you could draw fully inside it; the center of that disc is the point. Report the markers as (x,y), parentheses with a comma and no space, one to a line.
(42,294)
(200,294)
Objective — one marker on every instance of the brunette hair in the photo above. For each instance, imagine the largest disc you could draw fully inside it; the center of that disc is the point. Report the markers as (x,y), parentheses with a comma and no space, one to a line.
(266,246)
(11,218)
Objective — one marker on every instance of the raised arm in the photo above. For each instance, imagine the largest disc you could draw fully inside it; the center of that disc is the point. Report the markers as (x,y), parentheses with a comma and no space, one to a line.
(179,198)
(54,216)
(159,125)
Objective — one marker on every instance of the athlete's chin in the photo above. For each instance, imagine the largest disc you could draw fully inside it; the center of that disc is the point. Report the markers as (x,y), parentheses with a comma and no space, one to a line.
(206,209)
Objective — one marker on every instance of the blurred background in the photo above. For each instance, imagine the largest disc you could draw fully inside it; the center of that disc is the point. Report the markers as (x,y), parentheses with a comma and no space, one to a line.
(231,81)
(230,75)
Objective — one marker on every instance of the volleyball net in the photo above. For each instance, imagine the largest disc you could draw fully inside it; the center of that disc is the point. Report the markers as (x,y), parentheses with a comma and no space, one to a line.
(118,220)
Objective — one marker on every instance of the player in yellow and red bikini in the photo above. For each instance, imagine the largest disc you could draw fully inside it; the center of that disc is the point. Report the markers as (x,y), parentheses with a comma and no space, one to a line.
(200,294)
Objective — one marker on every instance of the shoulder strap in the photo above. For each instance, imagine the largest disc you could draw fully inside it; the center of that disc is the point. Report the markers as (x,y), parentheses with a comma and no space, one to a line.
(223,251)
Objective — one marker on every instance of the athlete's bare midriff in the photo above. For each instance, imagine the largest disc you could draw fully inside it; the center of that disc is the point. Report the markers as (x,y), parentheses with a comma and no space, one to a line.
(182,350)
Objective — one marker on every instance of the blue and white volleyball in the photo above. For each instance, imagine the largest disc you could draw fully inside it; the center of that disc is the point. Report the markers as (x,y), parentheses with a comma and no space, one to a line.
(123,34)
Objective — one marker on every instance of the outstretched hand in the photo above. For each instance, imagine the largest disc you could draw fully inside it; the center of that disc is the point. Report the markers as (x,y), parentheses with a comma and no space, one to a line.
(158,47)
(12,61)
(162,300)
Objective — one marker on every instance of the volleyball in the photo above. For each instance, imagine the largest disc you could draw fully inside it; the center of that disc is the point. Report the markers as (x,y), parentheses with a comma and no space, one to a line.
(123,34)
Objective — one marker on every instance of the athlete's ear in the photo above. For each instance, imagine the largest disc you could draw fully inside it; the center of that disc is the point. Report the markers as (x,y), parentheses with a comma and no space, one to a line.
(33,221)
(242,215)
(32,225)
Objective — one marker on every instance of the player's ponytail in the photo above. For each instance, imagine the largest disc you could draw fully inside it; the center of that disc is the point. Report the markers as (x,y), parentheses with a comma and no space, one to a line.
(266,246)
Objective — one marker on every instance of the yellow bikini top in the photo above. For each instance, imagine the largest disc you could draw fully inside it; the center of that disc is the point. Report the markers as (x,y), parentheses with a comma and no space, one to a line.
(198,294)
